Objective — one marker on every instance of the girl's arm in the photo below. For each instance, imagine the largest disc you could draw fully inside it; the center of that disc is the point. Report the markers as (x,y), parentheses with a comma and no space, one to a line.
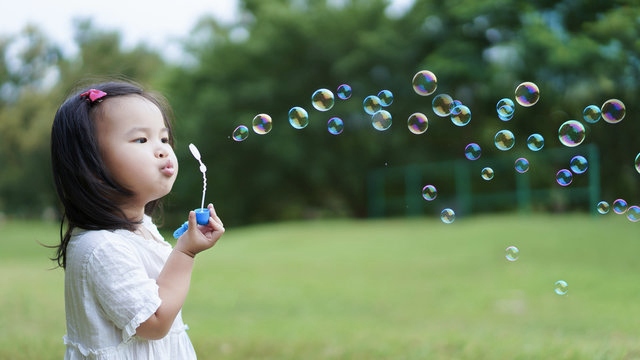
(175,277)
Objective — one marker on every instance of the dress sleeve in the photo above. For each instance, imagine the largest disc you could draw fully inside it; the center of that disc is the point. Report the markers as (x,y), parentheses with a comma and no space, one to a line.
(125,292)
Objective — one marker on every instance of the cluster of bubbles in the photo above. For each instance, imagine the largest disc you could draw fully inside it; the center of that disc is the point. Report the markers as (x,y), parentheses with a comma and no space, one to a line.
(620,207)
(577,165)
(443,105)
(571,133)
(324,100)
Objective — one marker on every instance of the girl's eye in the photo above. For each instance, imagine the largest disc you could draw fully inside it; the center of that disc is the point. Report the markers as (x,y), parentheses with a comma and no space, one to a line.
(165,140)
(140,140)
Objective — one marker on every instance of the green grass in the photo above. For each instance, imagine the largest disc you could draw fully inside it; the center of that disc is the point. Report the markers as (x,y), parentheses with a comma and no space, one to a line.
(376,289)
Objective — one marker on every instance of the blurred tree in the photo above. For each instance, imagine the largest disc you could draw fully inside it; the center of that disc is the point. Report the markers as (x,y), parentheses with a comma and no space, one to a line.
(102,55)
(272,60)
(28,62)
(27,72)
(35,78)
(280,52)
(583,53)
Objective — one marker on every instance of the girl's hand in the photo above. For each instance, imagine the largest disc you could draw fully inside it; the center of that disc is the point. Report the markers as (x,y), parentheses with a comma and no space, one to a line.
(200,237)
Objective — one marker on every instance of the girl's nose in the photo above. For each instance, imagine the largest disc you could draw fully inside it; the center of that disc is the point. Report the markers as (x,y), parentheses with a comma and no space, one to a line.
(161,152)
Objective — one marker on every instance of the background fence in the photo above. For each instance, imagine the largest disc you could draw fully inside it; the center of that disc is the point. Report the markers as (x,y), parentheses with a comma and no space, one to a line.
(396,191)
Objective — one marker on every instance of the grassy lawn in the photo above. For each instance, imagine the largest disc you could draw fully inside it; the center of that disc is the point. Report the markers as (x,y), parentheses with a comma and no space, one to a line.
(376,289)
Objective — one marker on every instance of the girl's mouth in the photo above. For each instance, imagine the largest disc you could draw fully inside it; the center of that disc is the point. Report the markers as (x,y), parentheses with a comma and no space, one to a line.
(168,169)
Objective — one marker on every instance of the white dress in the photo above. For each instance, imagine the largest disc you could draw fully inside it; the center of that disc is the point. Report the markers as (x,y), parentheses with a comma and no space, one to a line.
(110,289)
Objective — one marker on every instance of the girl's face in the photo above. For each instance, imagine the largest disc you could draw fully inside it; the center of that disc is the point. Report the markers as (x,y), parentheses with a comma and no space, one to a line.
(134,143)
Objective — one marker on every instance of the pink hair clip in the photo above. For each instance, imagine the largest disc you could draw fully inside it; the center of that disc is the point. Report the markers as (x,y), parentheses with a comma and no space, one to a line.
(93,94)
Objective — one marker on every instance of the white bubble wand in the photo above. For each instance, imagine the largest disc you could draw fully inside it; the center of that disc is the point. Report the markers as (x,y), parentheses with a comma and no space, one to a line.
(203,170)
(202,214)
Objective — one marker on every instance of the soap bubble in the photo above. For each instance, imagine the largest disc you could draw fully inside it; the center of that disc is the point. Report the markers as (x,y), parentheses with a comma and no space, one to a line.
(429,192)
(504,140)
(335,126)
(240,133)
(322,99)
(521,165)
(424,83)
(603,207)
(371,104)
(298,117)
(460,115)
(613,111)
(633,213)
(487,173)
(262,124)
(561,287)
(344,92)
(381,120)
(591,114)
(571,133)
(578,164)
(447,216)
(527,94)
(619,206)
(386,97)
(636,162)
(512,253)
(535,142)
(505,109)
(564,177)
(418,123)
(442,105)
(472,151)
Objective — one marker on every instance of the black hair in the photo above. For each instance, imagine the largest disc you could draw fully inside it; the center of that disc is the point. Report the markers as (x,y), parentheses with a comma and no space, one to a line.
(86,189)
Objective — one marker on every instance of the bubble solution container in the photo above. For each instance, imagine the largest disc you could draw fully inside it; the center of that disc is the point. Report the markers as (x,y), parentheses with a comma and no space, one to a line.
(202,218)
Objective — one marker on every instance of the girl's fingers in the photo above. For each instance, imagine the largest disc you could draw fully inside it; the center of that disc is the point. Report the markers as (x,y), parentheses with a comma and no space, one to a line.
(192,219)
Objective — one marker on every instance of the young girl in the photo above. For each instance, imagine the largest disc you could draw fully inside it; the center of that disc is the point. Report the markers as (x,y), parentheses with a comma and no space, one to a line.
(112,158)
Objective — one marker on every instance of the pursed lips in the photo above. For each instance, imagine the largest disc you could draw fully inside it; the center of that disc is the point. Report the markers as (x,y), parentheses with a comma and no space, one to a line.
(168,169)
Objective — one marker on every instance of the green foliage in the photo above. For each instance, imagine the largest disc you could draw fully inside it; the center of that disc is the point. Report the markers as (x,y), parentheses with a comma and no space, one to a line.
(279,52)
(479,51)
(29,100)
(101,55)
